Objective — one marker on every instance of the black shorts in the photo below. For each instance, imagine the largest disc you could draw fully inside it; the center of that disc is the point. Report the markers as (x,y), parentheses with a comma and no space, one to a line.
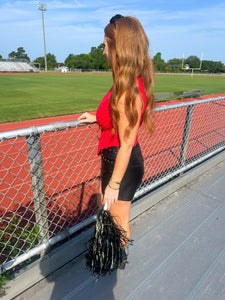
(133,175)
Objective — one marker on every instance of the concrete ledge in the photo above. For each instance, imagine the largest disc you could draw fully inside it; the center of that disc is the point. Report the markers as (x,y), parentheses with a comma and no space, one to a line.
(46,265)
(61,255)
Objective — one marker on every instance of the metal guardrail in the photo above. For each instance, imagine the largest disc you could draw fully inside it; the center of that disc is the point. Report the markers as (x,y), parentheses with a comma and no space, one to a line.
(50,174)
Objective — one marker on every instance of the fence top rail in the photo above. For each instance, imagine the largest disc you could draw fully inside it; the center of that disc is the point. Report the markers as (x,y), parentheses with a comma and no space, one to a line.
(57,126)
(6,135)
(188,103)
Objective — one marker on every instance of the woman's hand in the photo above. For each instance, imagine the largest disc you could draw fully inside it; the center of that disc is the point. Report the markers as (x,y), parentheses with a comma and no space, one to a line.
(87,118)
(111,196)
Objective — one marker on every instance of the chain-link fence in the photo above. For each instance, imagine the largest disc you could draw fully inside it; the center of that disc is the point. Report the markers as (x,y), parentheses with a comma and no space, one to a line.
(50,174)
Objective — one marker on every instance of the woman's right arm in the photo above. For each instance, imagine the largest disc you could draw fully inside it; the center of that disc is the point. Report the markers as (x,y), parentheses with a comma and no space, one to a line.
(87,118)
(91,118)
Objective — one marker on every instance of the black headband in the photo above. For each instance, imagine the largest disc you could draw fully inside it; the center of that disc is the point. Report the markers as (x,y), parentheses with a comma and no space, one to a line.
(113,19)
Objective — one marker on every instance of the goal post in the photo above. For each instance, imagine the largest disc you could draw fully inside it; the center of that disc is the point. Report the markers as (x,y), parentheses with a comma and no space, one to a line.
(186,67)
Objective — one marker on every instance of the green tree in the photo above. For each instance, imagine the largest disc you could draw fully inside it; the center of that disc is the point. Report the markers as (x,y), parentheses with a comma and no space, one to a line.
(20,54)
(81,61)
(175,64)
(94,60)
(41,61)
(213,66)
(69,61)
(100,61)
(84,61)
(220,67)
(1,57)
(193,61)
(12,55)
(51,61)
(159,63)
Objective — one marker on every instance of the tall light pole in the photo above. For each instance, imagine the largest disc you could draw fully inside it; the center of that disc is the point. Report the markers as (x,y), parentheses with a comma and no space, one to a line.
(43,7)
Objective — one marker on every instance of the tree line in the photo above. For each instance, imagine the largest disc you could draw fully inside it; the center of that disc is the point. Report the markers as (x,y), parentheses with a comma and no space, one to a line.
(179,65)
(96,60)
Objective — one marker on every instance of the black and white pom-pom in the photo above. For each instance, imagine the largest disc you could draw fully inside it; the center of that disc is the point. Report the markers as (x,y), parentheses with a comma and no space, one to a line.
(105,249)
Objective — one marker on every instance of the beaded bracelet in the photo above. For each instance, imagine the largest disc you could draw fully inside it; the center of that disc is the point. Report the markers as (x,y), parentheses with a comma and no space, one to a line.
(113,188)
(117,182)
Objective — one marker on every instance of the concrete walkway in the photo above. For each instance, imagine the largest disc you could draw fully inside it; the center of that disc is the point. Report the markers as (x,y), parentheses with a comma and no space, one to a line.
(178,252)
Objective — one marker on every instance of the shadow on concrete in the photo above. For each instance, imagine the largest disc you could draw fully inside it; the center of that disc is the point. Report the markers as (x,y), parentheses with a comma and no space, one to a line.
(73,281)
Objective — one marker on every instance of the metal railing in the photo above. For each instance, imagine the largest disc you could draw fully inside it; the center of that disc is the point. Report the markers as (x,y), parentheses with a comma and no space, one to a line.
(50,174)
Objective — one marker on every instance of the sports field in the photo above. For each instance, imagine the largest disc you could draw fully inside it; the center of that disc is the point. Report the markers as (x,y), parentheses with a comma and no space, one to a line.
(31,96)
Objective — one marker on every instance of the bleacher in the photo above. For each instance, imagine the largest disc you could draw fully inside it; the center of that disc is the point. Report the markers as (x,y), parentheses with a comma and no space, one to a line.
(18,67)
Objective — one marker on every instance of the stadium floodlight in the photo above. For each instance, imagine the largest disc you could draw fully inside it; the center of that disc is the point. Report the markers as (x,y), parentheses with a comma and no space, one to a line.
(43,7)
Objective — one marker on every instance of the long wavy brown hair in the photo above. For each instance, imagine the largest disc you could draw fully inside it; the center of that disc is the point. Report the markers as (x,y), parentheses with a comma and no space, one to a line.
(130,59)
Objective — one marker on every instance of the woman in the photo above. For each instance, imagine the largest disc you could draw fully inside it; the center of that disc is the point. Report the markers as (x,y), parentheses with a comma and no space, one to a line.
(121,112)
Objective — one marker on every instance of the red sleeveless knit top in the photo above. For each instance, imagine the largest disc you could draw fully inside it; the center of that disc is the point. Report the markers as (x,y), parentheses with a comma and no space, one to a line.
(104,120)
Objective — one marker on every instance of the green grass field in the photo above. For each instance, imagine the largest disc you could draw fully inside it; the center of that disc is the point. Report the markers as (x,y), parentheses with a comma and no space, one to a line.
(25,97)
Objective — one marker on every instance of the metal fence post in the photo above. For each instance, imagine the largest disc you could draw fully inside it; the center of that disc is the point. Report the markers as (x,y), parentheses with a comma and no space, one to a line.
(186,133)
(38,185)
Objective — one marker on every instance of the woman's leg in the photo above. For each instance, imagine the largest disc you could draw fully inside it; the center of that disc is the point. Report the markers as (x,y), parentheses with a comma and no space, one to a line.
(120,212)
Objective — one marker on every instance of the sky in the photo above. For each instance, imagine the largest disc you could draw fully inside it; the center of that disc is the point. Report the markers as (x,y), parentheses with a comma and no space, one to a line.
(174,28)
